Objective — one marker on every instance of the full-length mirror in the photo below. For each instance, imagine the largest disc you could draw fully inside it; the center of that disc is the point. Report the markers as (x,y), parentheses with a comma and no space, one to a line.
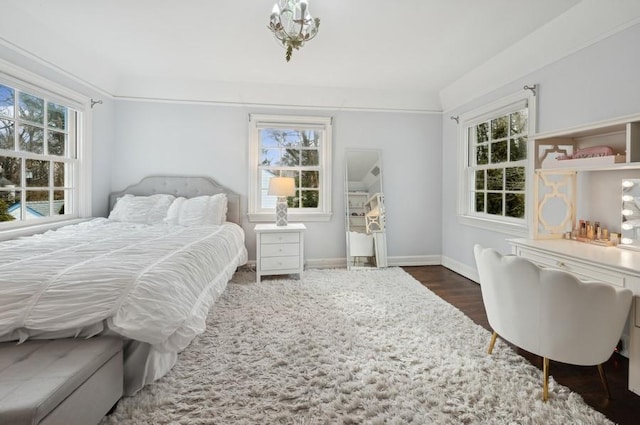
(630,227)
(365,210)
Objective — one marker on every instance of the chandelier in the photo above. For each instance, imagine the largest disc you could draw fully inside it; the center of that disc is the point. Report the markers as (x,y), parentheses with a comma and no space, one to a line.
(292,24)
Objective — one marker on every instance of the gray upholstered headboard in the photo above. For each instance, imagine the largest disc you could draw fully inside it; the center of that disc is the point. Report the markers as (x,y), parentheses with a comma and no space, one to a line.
(187,186)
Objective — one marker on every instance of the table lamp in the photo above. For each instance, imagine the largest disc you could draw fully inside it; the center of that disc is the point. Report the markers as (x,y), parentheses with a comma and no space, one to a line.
(282,187)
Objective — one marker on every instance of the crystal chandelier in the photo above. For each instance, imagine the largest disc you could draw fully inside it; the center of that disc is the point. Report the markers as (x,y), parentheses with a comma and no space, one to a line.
(292,24)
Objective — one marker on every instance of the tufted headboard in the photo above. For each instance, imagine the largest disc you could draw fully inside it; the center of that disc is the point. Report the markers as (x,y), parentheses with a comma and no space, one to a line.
(186,186)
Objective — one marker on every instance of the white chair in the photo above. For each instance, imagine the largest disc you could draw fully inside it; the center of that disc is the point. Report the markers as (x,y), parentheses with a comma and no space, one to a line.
(360,246)
(550,312)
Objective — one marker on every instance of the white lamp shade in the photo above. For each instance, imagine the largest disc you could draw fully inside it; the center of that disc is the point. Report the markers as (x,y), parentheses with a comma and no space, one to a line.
(282,186)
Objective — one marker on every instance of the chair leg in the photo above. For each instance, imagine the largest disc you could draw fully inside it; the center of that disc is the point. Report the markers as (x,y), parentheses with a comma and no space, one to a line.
(545,382)
(603,378)
(493,342)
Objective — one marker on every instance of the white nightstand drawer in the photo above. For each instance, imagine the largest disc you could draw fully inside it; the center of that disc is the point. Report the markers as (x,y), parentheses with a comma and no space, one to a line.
(279,263)
(280,237)
(280,250)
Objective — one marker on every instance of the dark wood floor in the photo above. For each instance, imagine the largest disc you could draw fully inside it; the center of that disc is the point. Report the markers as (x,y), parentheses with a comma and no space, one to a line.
(624,406)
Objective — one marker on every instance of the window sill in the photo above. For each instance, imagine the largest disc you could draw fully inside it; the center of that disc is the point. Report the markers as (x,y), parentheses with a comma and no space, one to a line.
(514,229)
(28,230)
(293,217)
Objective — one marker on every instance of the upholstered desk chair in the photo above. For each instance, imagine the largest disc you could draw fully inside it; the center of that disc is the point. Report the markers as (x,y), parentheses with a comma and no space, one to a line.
(550,312)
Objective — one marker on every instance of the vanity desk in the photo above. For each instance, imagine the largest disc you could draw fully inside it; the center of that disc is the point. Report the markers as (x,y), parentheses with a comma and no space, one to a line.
(587,173)
(612,265)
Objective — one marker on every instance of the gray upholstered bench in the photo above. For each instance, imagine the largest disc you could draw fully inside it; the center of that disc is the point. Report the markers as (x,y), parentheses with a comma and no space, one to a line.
(62,382)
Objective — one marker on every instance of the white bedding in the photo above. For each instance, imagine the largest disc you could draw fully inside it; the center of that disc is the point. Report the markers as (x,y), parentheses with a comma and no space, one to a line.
(153,284)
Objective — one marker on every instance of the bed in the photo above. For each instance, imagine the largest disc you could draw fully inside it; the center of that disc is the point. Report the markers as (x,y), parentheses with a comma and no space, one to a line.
(149,273)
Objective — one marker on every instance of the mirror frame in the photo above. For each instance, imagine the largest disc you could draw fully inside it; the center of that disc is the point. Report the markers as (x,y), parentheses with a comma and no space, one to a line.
(374,202)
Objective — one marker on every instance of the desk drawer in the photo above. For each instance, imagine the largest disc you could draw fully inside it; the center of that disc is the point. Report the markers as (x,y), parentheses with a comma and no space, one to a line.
(279,250)
(279,263)
(581,271)
(280,237)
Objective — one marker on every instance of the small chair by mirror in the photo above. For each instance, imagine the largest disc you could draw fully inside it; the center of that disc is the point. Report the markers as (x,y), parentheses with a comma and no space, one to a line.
(365,210)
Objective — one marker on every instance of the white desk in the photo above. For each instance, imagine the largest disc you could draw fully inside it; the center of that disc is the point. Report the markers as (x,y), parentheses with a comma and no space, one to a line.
(616,266)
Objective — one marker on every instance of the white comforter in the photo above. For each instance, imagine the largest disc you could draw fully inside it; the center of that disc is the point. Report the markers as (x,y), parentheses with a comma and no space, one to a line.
(153,284)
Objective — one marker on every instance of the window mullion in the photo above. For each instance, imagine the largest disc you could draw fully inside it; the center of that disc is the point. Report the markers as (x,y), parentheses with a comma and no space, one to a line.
(308,140)
(45,133)
(35,198)
(487,140)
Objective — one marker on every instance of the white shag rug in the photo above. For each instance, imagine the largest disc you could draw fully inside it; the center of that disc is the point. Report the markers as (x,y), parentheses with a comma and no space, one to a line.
(340,347)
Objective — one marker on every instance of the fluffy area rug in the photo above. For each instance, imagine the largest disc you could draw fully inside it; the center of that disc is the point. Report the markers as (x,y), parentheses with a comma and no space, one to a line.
(340,347)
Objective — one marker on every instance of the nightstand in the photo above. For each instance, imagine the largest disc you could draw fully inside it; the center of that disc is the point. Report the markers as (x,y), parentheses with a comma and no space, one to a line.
(279,249)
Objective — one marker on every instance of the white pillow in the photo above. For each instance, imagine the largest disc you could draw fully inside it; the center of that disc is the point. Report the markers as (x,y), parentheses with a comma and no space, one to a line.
(198,211)
(142,209)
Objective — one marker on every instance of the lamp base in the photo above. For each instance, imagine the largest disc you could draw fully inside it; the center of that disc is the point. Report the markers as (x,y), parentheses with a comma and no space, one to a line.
(281,211)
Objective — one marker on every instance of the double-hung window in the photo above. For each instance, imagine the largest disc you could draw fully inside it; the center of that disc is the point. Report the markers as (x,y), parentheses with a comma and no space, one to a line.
(39,156)
(494,168)
(290,146)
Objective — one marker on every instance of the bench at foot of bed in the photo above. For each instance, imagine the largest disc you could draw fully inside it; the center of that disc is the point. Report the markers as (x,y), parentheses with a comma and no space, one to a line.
(59,382)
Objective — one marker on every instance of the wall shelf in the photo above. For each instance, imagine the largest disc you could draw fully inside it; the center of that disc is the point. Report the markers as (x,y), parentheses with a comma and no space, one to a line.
(356,211)
(593,167)
(623,138)
(555,181)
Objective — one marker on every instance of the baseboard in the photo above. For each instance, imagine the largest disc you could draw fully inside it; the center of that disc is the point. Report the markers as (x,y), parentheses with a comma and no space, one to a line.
(341,263)
(316,263)
(461,269)
(415,260)
(326,263)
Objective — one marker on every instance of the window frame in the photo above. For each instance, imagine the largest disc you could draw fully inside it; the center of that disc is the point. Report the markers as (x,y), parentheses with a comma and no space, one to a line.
(260,121)
(80,170)
(466,205)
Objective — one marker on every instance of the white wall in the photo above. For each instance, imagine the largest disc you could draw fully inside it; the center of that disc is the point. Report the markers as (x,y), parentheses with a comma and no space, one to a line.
(134,139)
(104,132)
(597,83)
(202,139)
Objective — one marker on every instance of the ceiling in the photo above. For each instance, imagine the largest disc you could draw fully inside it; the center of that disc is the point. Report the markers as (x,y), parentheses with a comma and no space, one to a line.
(367,52)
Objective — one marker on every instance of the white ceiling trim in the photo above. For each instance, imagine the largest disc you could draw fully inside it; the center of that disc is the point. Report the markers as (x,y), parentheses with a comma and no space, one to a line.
(588,22)
(272,106)
(26,60)
(237,94)
(276,96)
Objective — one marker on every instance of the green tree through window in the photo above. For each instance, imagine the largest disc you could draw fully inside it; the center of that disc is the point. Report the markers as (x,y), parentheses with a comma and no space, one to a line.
(294,153)
(293,146)
(499,147)
(37,154)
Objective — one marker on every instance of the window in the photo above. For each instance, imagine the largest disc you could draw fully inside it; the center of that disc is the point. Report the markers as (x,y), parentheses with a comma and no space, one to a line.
(290,146)
(39,155)
(495,165)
